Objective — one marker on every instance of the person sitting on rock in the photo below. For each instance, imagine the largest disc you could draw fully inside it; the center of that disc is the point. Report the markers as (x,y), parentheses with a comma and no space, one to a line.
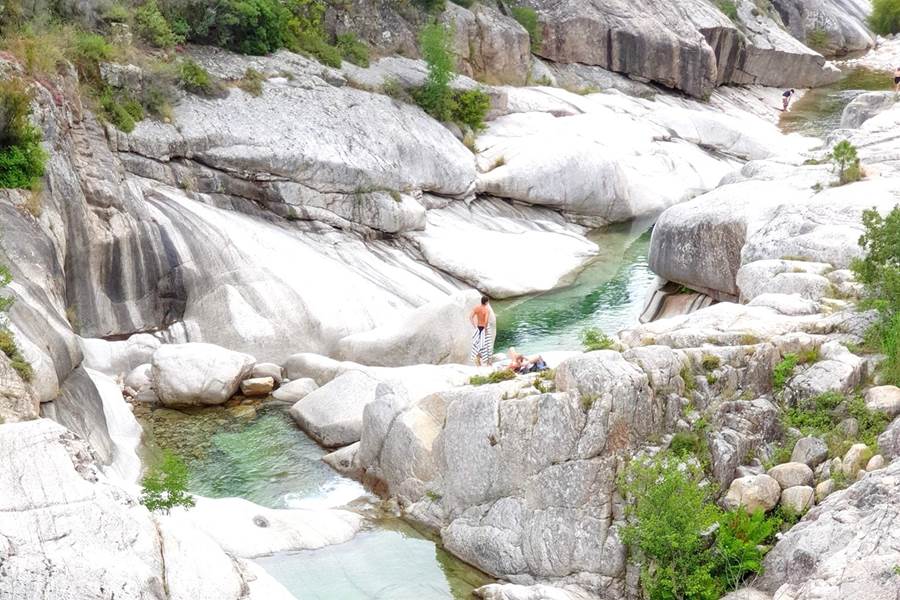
(482,341)
(522,364)
(786,98)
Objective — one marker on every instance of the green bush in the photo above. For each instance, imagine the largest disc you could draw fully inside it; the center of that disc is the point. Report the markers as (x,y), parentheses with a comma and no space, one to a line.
(871,423)
(817,39)
(710,362)
(685,443)
(885,17)
(250,26)
(116,13)
(21,156)
(670,515)
(817,416)
(313,43)
(89,50)
(435,96)
(352,50)
(470,107)
(252,82)
(432,6)
(197,80)
(879,272)
(153,26)
(165,485)
(6,302)
(845,157)
(728,8)
(121,110)
(594,339)
(7,341)
(494,377)
(464,3)
(783,371)
(528,18)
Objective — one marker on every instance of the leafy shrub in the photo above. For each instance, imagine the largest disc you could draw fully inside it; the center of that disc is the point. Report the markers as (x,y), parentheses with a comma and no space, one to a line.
(313,43)
(432,6)
(197,80)
(352,50)
(594,339)
(817,417)
(885,17)
(153,26)
(21,156)
(435,96)
(871,423)
(817,39)
(685,443)
(783,370)
(528,18)
(90,49)
(165,485)
(670,517)
(252,82)
(844,156)
(470,108)
(688,377)
(116,13)
(710,362)
(464,3)
(728,8)
(250,26)
(7,341)
(494,377)
(879,272)
(121,110)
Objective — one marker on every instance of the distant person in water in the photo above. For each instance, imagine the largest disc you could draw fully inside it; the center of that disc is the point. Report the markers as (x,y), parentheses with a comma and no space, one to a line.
(897,80)
(786,98)
(482,340)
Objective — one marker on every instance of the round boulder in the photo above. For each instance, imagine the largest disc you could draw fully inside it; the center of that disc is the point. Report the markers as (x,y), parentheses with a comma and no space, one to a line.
(752,492)
(257,386)
(792,474)
(798,499)
(884,399)
(198,374)
(856,459)
(810,451)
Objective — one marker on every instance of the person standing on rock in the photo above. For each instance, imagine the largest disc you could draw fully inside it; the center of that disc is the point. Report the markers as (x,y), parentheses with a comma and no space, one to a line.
(897,80)
(786,98)
(482,340)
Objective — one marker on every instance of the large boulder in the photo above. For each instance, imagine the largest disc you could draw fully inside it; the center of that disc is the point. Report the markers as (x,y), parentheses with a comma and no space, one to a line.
(333,414)
(832,27)
(489,45)
(884,399)
(198,373)
(752,492)
(118,357)
(864,107)
(797,499)
(437,333)
(294,391)
(791,474)
(846,547)
(811,451)
(839,370)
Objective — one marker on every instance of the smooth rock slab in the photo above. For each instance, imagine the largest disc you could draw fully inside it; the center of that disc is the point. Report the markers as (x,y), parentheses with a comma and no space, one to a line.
(752,492)
(198,374)
(791,474)
(332,415)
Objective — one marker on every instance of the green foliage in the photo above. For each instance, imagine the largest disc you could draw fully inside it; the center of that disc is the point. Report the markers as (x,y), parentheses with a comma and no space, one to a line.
(432,6)
(885,17)
(594,339)
(88,51)
(21,156)
(7,341)
(116,13)
(587,401)
(196,79)
(435,96)
(728,8)
(464,3)
(871,423)
(5,279)
(817,417)
(252,82)
(710,362)
(165,485)
(845,157)
(120,109)
(685,443)
(783,370)
(739,547)
(782,454)
(352,50)
(494,377)
(470,108)
(879,272)
(528,18)
(313,43)
(817,39)
(152,26)
(688,377)
(250,26)
(841,481)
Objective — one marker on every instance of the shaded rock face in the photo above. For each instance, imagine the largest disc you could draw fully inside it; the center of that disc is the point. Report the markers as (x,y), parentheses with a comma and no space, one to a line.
(688,46)
(842,24)
(845,547)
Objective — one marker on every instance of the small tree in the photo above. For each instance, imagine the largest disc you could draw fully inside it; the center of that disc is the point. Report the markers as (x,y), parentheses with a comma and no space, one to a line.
(885,17)
(528,18)
(844,156)
(165,485)
(435,96)
(5,301)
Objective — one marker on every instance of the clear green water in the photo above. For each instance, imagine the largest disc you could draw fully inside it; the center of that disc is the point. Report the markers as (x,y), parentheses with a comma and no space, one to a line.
(608,294)
(818,112)
(262,456)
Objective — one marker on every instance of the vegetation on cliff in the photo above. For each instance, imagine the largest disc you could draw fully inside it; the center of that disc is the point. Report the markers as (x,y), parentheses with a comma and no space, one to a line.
(21,156)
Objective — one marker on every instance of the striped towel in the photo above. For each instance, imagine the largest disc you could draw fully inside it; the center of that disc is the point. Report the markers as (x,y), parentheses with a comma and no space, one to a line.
(482,345)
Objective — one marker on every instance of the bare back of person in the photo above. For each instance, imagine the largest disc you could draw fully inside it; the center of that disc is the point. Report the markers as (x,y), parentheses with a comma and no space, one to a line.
(482,315)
